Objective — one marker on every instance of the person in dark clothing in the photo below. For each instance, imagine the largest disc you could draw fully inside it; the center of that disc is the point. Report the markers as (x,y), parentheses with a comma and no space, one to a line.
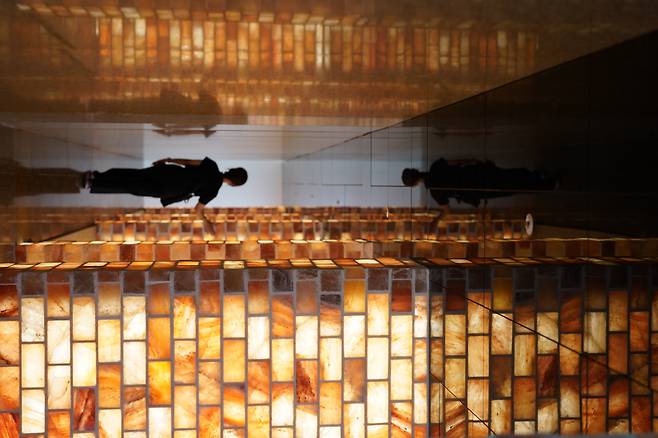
(170,179)
(471,181)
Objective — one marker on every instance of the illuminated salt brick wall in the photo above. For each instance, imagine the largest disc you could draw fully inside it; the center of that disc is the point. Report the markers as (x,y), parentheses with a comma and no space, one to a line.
(259,352)
(550,349)
(412,351)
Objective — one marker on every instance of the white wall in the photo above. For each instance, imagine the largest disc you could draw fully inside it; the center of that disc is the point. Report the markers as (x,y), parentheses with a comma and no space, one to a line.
(364,172)
(82,147)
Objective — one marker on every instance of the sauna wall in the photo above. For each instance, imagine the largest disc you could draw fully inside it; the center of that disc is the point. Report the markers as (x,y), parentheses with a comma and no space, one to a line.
(358,348)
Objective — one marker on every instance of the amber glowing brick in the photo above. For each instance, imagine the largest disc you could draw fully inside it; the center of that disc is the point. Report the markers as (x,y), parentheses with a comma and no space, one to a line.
(59,424)
(354,380)
(159,384)
(570,312)
(306,420)
(184,317)
(210,419)
(209,298)
(32,320)
(210,338)
(639,330)
(455,334)
(282,404)
(524,355)
(618,353)
(9,347)
(258,337)
(185,356)
(10,388)
(59,387)
(234,360)
(84,409)
(109,299)
(58,304)
(354,419)
(33,411)
(307,381)
(307,297)
(283,321)
(355,297)
(306,337)
(234,406)
(330,315)
(109,386)
(455,418)
(478,399)
(134,408)
(330,358)
(258,382)
(258,297)
(547,375)
(282,359)
(210,383)
(378,314)
(159,338)
(159,299)
(401,296)
(134,363)
(8,301)
(234,316)
(502,293)
(84,319)
(184,407)
(501,416)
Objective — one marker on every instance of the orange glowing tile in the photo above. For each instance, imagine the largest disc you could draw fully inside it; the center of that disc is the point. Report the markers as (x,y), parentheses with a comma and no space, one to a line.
(209,383)
(185,356)
(109,386)
(210,338)
(159,338)
(159,383)
(234,406)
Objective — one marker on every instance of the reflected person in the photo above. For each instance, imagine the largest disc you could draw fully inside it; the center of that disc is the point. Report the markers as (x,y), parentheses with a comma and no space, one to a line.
(170,179)
(473,181)
(17,180)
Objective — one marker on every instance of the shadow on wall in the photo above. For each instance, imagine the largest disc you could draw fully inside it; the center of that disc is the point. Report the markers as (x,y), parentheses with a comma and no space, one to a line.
(17,180)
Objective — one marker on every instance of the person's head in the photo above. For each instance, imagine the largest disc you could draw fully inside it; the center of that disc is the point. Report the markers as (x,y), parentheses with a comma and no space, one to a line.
(411,177)
(236,176)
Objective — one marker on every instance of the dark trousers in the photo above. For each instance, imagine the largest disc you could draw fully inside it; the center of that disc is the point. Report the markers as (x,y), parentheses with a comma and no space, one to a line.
(139,182)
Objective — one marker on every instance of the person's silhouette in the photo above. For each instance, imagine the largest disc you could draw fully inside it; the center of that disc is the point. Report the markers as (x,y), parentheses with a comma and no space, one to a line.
(471,181)
(171,180)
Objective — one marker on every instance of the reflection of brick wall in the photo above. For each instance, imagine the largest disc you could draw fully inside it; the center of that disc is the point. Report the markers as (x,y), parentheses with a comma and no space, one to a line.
(324,350)
(292,66)
(128,251)
(311,229)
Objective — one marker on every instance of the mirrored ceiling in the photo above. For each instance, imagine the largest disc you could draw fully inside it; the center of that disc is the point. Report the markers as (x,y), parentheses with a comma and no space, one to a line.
(285,62)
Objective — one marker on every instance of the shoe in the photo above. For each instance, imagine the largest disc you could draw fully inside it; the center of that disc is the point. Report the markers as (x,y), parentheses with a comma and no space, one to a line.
(85,179)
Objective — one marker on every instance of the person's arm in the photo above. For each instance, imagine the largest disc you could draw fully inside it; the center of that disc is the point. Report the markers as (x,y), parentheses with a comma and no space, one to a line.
(198,210)
(179,161)
(442,213)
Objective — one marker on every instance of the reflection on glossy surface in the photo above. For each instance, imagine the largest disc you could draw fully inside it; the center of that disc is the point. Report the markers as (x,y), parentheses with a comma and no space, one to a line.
(589,123)
(358,62)
(40,167)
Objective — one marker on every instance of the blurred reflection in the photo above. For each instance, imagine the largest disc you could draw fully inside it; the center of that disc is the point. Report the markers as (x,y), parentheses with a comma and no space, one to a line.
(17,180)
(317,58)
(473,181)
